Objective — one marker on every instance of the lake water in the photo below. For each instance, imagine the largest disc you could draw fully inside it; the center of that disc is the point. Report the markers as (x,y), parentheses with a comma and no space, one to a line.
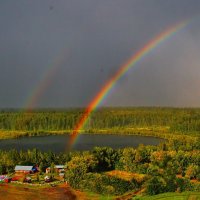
(58,143)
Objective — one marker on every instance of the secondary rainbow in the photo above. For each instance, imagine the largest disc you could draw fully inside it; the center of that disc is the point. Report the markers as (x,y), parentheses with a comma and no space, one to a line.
(122,70)
(45,81)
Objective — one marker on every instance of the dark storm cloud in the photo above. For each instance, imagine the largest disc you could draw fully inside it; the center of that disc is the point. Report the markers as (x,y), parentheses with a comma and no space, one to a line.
(98,37)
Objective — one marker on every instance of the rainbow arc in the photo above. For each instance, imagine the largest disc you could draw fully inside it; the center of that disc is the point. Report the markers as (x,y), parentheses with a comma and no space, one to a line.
(131,62)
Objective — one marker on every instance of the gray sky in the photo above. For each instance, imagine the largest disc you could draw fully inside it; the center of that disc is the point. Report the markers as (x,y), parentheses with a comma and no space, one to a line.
(94,38)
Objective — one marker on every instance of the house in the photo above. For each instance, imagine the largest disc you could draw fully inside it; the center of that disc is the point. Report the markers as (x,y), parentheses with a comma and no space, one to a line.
(57,168)
(25,169)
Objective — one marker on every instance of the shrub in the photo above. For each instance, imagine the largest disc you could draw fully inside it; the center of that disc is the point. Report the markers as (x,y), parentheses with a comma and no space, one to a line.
(103,184)
(192,171)
(155,185)
(183,184)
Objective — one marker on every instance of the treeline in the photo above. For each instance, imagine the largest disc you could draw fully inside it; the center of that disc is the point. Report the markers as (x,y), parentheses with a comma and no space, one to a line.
(173,119)
(167,167)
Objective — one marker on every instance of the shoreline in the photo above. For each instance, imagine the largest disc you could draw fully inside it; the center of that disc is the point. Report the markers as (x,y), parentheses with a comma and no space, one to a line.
(158,132)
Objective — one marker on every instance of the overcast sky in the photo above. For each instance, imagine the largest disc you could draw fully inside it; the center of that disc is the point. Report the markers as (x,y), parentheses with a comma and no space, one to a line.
(84,42)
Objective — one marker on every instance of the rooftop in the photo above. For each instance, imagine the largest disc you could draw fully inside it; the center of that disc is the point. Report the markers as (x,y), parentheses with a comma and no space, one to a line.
(23,168)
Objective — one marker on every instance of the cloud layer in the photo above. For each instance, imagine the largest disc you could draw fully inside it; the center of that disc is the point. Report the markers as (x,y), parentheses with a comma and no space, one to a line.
(96,37)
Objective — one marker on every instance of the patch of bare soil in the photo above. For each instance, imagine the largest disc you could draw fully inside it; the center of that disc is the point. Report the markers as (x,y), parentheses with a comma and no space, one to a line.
(63,192)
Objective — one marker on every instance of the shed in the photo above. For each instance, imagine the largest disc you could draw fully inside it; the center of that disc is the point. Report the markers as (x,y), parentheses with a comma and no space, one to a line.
(24,169)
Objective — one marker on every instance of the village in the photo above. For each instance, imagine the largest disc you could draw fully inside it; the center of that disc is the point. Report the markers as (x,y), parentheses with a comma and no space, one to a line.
(33,175)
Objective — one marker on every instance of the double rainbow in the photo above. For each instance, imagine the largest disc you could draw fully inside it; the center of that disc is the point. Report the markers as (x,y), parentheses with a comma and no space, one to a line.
(121,71)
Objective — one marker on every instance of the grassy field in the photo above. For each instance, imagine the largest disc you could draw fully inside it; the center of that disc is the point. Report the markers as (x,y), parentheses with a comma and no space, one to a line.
(63,192)
(21,192)
(60,192)
(160,132)
(172,196)
(127,175)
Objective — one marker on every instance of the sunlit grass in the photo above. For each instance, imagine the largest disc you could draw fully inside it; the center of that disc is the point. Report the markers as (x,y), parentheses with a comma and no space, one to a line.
(172,196)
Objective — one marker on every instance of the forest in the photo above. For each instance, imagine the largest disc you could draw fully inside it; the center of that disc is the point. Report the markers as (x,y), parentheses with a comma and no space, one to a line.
(146,121)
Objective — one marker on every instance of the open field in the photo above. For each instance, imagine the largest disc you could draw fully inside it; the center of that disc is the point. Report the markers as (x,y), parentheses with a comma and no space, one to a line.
(21,192)
(62,192)
(127,175)
(172,196)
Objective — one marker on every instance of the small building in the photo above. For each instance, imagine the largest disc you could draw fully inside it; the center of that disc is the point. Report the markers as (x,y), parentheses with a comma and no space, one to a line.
(47,179)
(62,174)
(57,168)
(25,169)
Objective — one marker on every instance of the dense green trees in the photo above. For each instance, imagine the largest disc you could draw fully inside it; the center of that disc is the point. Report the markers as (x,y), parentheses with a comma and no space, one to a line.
(106,157)
(155,185)
(78,166)
(170,119)
(161,168)
(31,157)
(104,184)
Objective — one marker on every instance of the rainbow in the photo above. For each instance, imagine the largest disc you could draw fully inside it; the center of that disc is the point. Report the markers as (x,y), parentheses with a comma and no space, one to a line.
(121,71)
(45,81)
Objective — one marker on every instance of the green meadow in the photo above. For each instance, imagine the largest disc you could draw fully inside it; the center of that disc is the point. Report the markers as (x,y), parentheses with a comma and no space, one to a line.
(172,196)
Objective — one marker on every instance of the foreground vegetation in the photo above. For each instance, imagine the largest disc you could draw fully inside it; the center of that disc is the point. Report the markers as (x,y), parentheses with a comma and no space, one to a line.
(147,170)
(167,168)
(172,195)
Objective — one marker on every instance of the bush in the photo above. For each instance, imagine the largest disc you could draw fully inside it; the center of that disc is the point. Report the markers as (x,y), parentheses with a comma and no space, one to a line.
(183,184)
(192,171)
(106,157)
(2,169)
(155,185)
(195,187)
(103,184)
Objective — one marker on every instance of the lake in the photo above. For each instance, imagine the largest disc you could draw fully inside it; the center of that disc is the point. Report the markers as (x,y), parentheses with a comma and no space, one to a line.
(58,143)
